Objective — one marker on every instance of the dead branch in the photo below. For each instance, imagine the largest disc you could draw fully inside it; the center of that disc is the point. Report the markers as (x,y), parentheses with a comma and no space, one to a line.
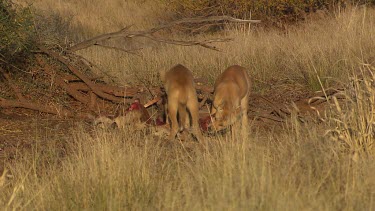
(93,100)
(125,33)
(275,108)
(203,43)
(131,51)
(62,82)
(72,78)
(265,115)
(152,102)
(80,75)
(4,103)
(71,90)
(109,89)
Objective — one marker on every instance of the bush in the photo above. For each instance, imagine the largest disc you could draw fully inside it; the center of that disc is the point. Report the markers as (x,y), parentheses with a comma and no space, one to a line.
(16,30)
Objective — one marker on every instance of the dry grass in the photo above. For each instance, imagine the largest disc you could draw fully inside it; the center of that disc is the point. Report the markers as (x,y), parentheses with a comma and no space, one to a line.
(297,167)
(330,48)
(353,121)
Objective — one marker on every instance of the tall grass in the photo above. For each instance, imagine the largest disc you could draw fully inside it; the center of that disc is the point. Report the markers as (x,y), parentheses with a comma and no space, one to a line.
(297,169)
(353,121)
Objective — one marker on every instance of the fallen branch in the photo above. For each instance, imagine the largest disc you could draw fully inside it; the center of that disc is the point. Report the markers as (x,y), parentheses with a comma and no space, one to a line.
(265,115)
(275,108)
(80,75)
(132,51)
(125,33)
(109,89)
(63,83)
(71,91)
(152,102)
(203,43)
(4,103)
(73,78)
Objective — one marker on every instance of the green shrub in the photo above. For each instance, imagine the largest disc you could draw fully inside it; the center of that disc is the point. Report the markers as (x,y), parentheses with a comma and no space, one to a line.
(16,30)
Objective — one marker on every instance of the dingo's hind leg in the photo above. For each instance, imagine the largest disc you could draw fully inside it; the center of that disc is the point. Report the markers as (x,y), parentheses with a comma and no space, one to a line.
(172,113)
(194,112)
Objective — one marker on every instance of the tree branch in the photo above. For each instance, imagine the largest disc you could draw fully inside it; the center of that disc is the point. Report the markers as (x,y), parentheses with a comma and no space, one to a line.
(132,51)
(149,33)
(203,43)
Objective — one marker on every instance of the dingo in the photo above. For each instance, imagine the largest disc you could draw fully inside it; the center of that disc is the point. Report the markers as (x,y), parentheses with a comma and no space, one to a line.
(181,99)
(231,96)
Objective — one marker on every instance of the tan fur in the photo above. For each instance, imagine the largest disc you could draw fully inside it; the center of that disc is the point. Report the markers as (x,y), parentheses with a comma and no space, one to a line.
(231,96)
(181,99)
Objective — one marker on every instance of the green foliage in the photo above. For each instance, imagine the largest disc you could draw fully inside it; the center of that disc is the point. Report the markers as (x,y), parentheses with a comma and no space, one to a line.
(16,30)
